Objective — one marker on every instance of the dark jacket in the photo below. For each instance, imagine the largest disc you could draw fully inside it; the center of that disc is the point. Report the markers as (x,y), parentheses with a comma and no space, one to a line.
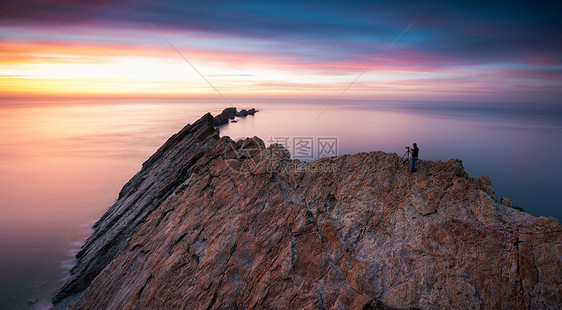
(415,151)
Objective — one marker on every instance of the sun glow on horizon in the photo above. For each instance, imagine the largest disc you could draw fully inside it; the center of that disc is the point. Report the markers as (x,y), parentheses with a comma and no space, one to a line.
(76,66)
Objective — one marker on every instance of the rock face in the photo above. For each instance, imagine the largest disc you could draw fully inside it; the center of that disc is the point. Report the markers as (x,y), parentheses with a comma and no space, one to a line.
(209,223)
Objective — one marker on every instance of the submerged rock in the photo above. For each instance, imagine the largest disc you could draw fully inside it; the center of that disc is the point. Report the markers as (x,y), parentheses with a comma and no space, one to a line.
(211,223)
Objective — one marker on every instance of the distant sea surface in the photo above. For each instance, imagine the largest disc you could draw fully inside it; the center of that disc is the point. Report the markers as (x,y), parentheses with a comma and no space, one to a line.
(63,161)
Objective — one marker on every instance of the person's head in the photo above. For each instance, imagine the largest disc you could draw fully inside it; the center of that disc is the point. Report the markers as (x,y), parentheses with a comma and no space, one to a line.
(415,145)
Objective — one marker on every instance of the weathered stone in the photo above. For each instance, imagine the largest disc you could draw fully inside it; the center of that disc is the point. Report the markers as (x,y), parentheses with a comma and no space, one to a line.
(210,223)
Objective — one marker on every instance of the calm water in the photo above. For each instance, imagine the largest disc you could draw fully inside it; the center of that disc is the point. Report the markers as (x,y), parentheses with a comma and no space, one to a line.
(62,163)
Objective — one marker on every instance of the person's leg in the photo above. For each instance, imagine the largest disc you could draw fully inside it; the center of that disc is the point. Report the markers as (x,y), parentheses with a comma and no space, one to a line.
(414,159)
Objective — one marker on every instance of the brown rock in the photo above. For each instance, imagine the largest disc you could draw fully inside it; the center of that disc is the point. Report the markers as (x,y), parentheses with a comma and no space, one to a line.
(210,223)
(229,113)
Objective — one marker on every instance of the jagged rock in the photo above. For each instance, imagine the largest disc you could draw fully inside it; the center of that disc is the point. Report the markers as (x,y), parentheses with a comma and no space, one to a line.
(242,113)
(229,113)
(170,166)
(210,223)
(506,201)
(225,116)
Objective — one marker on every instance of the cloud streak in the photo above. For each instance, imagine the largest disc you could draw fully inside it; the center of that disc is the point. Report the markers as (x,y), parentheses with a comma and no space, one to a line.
(282,42)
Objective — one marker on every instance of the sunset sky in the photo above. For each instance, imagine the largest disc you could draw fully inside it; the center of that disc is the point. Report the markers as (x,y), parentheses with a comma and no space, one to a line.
(430,50)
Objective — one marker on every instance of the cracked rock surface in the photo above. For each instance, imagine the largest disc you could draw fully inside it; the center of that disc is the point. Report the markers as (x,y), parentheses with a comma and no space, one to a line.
(210,223)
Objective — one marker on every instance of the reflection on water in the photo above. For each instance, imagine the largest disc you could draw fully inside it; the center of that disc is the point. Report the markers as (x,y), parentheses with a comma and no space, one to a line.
(62,163)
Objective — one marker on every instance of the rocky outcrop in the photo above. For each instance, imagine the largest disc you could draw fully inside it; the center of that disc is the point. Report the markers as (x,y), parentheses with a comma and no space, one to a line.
(170,166)
(229,113)
(210,223)
(245,112)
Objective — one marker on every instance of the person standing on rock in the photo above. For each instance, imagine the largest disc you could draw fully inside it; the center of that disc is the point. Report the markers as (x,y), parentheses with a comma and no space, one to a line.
(415,152)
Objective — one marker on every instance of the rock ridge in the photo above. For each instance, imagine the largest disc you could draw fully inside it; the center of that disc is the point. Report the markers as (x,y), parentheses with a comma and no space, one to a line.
(212,223)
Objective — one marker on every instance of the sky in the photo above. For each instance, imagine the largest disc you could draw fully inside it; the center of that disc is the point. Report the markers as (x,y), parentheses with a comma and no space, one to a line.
(404,50)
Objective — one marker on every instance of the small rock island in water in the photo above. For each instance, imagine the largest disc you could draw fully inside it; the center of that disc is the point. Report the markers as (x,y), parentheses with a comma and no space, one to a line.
(229,114)
(210,223)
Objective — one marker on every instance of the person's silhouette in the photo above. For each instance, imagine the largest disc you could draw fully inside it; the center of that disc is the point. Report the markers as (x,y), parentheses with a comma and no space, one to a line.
(415,152)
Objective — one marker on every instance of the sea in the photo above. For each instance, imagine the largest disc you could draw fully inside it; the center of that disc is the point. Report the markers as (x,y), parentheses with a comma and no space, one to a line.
(64,160)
